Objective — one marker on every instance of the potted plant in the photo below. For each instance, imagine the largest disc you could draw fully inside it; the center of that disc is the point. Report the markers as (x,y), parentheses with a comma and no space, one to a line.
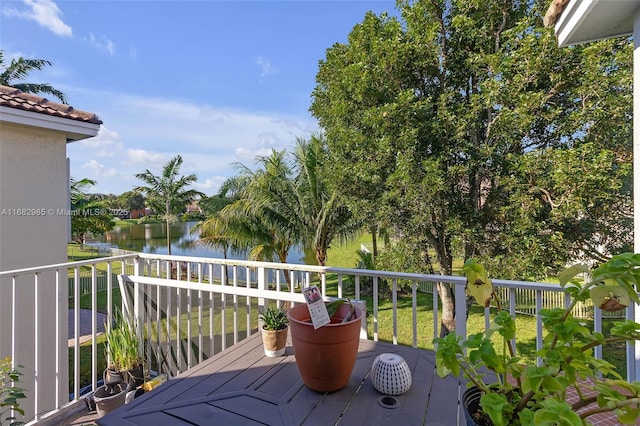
(504,390)
(326,356)
(274,330)
(125,363)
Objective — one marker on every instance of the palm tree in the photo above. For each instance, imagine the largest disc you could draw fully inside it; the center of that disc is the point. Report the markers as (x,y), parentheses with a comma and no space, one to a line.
(89,211)
(168,192)
(286,202)
(324,216)
(19,69)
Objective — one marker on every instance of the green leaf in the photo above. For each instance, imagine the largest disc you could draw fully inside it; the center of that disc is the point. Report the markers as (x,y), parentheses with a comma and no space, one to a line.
(497,407)
(569,273)
(556,413)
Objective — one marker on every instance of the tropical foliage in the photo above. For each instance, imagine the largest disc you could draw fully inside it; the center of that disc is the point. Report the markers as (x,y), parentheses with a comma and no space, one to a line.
(284,202)
(19,69)
(464,129)
(10,394)
(168,192)
(515,393)
(89,212)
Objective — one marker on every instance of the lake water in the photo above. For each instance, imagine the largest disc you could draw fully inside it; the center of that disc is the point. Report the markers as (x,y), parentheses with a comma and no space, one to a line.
(152,238)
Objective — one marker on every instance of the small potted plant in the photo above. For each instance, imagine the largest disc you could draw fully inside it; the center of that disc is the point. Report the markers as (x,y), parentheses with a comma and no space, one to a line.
(274,330)
(504,390)
(125,364)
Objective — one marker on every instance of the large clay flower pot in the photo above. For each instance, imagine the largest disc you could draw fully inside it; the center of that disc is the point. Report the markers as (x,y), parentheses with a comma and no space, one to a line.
(326,356)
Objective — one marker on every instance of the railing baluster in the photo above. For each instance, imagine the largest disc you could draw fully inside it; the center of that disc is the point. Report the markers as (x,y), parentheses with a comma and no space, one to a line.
(414,312)
(512,311)
(211,312)
(375,308)
(539,336)
(248,302)
(199,315)
(36,352)
(76,332)
(58,337)
(394,302)
(435,309)
(223,311)
(235,305)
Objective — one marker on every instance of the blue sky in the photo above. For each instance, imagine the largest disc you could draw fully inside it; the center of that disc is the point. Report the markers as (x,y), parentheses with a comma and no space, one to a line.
(217,82)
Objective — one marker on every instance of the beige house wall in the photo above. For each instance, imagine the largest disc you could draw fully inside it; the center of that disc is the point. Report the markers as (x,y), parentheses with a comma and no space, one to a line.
(33,232)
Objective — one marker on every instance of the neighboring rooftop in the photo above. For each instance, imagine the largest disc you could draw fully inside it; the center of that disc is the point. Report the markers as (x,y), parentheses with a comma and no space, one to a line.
(13,98)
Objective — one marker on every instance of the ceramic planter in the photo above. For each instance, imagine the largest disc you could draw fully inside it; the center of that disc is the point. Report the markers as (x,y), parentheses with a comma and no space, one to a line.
(134,376)
(274,341)
(325,357)
(110,397)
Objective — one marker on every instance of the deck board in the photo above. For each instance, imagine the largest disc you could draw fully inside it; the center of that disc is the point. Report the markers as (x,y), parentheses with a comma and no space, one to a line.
(241,386)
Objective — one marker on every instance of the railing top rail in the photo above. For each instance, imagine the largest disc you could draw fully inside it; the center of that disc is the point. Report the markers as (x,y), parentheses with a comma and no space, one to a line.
(458,280)
(15,272)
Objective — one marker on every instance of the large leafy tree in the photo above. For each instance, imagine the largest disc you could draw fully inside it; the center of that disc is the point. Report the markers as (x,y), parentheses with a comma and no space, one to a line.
(19,69)
(89,212)
(168,192)
(432,120)
(130,200)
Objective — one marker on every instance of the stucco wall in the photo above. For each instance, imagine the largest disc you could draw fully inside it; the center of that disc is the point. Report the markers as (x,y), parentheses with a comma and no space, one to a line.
(33,192)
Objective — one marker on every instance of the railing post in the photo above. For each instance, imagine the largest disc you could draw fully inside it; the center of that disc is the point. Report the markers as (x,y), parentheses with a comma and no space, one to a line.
(263,284)
(137,306)
(461,310)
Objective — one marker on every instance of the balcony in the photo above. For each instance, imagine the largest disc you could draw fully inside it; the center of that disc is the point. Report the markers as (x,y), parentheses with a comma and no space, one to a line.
(189,309)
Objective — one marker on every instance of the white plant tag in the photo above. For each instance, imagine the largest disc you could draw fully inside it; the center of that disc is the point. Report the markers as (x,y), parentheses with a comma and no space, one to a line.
(317,308)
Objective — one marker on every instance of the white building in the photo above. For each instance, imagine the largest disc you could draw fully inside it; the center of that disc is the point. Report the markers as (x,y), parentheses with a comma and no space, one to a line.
(34,193)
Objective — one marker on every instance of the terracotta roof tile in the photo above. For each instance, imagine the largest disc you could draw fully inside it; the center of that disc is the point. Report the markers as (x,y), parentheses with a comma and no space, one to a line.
(14,98)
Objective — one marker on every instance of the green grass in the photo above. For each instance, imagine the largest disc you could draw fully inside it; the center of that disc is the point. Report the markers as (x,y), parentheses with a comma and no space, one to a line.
(345,255)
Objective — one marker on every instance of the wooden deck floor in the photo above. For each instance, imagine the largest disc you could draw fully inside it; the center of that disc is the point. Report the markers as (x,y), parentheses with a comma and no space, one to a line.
(240,386)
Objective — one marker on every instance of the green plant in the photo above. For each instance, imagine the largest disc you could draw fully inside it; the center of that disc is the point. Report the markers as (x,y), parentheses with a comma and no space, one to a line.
(514,393)
(122,348)
(10,393)
(274,318)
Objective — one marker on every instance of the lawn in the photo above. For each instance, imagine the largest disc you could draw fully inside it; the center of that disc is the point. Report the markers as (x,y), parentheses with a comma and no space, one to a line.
(346,256)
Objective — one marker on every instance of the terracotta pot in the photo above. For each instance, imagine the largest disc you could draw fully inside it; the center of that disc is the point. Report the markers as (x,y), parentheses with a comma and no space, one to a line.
(326,356)
(274,341)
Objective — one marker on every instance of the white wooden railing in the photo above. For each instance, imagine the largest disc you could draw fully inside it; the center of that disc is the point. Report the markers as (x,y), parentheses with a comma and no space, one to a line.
(205,305)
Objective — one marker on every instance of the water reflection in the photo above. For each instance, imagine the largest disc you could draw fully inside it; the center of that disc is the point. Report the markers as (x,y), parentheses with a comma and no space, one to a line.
(152,238)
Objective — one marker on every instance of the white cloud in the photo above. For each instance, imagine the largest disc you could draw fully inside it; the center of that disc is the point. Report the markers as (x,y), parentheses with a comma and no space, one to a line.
(144,133)
(209,184)
(99,169)
(44,12)
(143,157)
(103,43)
(247,155)
(265,67)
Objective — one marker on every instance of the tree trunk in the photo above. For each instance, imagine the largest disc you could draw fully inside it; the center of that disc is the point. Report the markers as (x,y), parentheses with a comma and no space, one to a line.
(168,229)
(448,319)
(374,240)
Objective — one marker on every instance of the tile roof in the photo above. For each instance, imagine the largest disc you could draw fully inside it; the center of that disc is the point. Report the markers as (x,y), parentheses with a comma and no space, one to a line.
(14,98)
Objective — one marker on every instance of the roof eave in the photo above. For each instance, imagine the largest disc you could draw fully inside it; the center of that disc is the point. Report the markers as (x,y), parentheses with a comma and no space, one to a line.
(74,130)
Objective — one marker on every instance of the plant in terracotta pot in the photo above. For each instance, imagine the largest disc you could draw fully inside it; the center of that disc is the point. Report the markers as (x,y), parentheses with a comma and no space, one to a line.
(326,356)
(274,330)
(125,363)
(505,390)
